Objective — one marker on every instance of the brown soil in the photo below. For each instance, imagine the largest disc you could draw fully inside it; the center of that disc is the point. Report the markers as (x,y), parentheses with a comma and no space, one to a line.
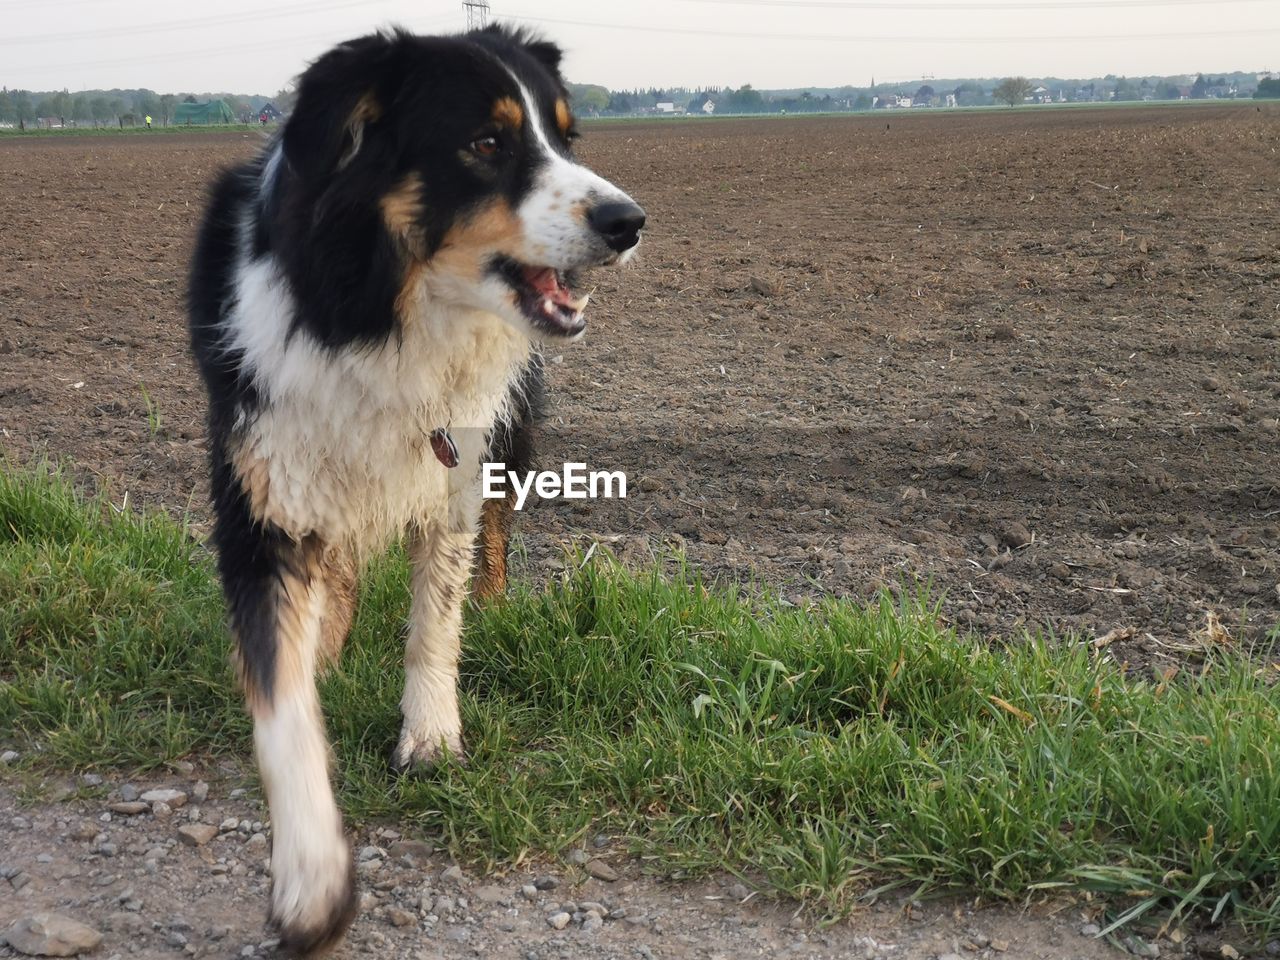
(1030,356)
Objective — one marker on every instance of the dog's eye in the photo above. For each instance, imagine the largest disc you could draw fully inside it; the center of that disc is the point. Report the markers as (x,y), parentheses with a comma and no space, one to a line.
(485,146)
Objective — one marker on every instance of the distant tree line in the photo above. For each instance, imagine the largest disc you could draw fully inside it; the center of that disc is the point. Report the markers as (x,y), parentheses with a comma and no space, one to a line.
(106,107)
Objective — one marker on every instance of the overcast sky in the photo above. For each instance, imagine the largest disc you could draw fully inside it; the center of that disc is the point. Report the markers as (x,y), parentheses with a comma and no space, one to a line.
(248,46)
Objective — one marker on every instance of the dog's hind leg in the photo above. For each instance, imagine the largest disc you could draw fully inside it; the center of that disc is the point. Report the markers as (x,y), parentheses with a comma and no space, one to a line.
(497,518)
(441,556)
(277,595)
(338,569)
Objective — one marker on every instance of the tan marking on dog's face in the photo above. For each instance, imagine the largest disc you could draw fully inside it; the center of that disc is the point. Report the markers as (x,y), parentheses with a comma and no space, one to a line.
(471,243)
(564,119)
(507,112)
(402,211)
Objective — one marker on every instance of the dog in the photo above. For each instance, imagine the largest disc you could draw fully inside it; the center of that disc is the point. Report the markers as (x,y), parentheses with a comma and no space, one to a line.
(366,299)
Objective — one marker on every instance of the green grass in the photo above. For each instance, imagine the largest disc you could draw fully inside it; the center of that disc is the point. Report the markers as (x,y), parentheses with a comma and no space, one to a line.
(826,752)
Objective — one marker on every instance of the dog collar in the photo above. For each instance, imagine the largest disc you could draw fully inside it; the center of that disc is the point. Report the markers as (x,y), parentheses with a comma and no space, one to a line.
(445,449)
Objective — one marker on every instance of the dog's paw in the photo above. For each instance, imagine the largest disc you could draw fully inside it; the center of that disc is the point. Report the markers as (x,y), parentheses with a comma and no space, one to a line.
(415,754)
(311,912)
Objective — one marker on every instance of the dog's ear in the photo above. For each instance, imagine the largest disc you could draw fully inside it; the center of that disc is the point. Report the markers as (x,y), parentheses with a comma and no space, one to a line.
(546,53)
(339,97)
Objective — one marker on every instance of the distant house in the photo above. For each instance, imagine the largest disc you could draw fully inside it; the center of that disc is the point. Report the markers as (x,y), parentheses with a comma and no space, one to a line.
(708,106)
(890,101)
(664,106)
(269,114)
(951,99)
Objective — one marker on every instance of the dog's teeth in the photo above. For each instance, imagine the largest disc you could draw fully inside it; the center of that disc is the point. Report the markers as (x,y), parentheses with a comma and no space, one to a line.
(548,307)
(581,303)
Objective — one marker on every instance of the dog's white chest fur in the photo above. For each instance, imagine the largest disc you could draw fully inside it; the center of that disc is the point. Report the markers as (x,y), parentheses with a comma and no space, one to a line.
(341,444)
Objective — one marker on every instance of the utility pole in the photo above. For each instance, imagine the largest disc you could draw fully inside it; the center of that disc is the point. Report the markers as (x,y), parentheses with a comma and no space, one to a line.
(477,13)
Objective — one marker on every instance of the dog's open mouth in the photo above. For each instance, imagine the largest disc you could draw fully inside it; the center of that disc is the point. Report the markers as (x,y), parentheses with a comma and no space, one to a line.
(546,297)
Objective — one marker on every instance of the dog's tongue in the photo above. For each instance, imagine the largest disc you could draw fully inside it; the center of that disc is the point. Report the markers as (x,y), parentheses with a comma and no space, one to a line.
(547,282)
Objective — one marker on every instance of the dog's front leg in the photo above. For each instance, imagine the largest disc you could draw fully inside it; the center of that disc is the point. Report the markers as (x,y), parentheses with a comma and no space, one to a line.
(441,557)
(280,599)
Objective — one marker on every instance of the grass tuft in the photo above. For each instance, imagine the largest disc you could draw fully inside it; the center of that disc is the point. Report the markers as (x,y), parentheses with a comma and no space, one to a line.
(828,751)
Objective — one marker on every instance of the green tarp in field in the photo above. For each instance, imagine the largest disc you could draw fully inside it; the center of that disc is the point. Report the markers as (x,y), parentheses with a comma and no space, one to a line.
(214,111)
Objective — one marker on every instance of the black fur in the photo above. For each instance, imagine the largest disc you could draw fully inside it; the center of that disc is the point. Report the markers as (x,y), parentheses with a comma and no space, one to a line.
(410,98)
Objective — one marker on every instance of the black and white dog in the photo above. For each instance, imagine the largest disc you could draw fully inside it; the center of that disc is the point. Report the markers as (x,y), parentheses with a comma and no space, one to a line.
(365,299)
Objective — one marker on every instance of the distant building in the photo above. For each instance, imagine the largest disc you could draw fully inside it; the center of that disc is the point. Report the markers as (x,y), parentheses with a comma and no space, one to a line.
(665,106)
(708,106)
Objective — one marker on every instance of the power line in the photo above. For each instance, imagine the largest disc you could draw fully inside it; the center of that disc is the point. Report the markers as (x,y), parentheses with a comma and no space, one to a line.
(900,38)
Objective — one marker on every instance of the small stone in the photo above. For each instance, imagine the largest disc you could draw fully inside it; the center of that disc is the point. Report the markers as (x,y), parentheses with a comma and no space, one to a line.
(1140,948)
(602,871)
(416,850)
(401,918)
(184,767)
(156,853)
(1090,930)
(130,808)
(618,913)
(200,791)
(369,853)
(161,810)
(107,849)
(443,905)
(601,841)
(577,857)
(453,875)
(9,756)
(20,880)
(174,798)
(529,891)
(559,920)
(592,922)
(738,891)
(128,793)
(256,844)
(228,825)
(237,793)
(92,780)
(52,935)
(490,893)
(84,831)
(197,834)
(176,939)
(1230,952)
(999,946)
(546,882)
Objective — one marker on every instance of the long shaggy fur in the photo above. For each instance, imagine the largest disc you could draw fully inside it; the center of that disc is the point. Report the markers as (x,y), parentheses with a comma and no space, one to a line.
(381,273)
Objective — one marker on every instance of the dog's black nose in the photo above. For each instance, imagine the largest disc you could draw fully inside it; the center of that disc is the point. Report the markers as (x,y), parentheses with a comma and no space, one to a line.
(618,223)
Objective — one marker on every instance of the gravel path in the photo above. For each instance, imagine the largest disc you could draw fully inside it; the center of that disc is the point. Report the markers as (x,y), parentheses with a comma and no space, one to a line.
(178,868)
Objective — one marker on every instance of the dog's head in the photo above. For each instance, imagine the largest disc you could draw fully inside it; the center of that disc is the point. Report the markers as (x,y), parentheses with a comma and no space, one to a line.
(448,161)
